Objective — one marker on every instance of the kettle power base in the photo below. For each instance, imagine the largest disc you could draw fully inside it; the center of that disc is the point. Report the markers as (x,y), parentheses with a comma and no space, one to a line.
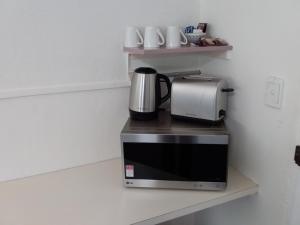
(143,116)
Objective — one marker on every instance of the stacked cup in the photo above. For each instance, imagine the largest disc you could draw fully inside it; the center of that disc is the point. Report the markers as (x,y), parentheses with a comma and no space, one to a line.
(153,38)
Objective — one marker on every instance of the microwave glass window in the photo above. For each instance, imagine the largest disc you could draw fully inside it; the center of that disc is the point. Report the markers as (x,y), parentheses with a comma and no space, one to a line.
(181,162)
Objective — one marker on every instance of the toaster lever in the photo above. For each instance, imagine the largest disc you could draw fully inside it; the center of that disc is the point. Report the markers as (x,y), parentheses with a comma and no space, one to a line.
(227,90)
(222,113)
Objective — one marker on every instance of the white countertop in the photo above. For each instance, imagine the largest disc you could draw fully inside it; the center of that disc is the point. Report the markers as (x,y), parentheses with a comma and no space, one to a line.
(94,195)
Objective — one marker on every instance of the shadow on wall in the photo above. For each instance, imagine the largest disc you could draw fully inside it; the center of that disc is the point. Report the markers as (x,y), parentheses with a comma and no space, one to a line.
(230,209)
(185,220)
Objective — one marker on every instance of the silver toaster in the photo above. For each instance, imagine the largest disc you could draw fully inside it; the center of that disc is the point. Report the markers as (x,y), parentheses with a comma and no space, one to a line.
(199,98)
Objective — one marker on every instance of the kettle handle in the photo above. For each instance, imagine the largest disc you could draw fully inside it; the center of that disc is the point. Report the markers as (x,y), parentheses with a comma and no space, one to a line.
(168,95)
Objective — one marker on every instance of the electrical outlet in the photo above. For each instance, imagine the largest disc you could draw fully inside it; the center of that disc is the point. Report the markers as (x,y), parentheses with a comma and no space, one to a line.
(274,92)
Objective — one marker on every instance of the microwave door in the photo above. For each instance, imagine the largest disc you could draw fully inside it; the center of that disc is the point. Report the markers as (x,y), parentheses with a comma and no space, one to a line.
(175,162)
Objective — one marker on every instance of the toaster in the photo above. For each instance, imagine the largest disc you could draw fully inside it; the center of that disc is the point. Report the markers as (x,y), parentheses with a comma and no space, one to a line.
(199,98)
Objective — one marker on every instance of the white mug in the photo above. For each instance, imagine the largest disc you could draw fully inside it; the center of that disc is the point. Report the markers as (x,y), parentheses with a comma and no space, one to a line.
(174,35)
(153,38)
(133,38)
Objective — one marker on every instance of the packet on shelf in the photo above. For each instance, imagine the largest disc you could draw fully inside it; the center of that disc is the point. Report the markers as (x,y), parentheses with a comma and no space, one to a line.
(212,42)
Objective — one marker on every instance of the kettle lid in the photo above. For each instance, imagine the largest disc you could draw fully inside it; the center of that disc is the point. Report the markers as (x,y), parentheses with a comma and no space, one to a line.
(145,70)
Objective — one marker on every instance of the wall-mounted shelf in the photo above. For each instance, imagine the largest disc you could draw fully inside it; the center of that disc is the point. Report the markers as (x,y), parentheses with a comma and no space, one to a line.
(136,57)
(94,194)
(181,50)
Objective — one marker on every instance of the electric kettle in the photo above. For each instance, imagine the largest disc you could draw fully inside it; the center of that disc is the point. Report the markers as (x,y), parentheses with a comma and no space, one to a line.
(145,93)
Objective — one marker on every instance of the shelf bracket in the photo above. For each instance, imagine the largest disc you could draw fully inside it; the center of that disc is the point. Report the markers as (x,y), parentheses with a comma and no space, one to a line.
(129,65)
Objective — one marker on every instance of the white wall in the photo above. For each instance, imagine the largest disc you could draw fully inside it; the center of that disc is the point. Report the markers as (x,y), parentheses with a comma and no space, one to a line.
(262,145)
(77,42)
(62,41)
(294,179)
(58,44)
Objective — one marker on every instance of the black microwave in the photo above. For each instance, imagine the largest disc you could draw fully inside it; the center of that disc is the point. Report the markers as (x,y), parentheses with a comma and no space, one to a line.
(168,153)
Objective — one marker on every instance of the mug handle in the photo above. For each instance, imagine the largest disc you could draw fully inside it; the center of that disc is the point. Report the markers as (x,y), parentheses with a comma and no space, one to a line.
(161,37)
(185,41)
(140,37)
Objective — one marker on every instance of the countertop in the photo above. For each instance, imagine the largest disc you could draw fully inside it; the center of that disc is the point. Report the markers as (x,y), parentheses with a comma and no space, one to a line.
(94,195)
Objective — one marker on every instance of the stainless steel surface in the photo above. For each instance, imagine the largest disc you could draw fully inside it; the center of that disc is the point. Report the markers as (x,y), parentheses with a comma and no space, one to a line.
(212,186)
(142,93)
(183,73)
(198,98)
(216,139)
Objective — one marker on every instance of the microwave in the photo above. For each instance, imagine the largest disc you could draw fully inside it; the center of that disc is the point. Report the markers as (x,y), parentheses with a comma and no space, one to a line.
(176,154)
